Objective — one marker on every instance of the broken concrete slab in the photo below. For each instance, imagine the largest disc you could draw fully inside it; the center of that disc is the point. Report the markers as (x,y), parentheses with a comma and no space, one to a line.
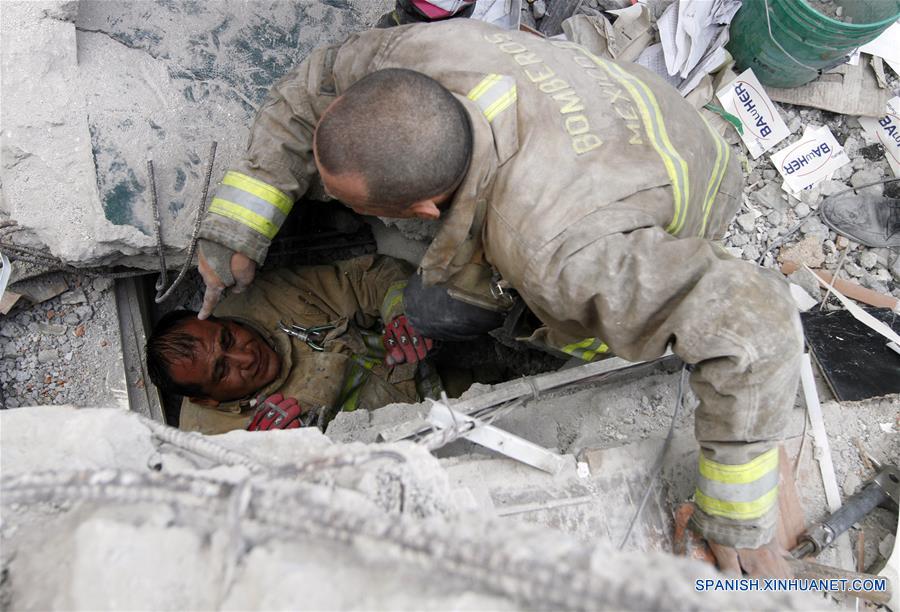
(93,89)
(240,543)
(48,170)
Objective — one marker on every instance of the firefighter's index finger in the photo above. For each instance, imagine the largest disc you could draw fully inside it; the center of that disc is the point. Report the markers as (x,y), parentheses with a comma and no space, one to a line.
(211,297)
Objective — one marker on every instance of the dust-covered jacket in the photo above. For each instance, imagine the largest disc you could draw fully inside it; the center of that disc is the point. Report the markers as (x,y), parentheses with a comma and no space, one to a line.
(594,191)
(349,373)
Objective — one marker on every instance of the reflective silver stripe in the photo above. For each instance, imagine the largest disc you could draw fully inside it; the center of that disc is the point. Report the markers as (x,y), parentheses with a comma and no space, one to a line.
(252,203)
(738,492)
(494,94)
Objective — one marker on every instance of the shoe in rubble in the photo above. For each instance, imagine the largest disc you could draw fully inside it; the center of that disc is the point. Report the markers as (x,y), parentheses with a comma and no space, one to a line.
(873,221)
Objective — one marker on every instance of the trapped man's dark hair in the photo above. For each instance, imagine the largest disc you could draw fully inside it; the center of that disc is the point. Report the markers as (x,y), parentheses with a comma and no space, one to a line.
(166,343)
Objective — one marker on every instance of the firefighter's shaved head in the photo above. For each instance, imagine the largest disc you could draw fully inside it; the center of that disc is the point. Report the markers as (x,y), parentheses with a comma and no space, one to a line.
(401,134)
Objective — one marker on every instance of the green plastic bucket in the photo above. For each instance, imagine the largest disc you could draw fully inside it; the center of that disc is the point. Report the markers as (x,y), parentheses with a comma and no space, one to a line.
(803,42)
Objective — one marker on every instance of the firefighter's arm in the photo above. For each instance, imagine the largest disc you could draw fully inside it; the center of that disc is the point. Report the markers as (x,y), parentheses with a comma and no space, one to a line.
(258,193)
(641,290)
(354,289)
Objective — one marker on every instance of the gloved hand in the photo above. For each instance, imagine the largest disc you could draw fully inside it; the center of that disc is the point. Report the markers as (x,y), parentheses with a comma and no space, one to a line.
(220,268)
(403,343)
(277,412)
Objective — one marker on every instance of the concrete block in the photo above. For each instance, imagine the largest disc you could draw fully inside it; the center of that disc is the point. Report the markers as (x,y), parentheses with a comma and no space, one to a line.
(93,89)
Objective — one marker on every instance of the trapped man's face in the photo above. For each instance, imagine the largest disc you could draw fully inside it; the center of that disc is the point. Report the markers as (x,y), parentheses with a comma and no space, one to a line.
(231,360)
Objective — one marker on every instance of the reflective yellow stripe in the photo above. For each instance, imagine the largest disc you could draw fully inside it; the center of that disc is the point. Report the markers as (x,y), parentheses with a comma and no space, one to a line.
(741,511)
(245,217)
(392,305)
(483,86)
(675,165)
(586,349)
(273,196)
(359,372)
(718,173)
(743,473)
(501,104)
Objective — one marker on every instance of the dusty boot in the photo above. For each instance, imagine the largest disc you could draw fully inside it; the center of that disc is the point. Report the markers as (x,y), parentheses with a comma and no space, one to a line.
(873,221)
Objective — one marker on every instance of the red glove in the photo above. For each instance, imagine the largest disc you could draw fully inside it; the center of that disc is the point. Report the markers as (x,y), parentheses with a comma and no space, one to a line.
(403,343)
(276,412)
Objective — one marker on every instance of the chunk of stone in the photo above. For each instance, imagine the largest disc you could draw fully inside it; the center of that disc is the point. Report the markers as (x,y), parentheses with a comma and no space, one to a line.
(48,355)
(739,240)
(868,259)
(814,228)
(853,270)
(101,283)
(747,222)
(76,296)
(802,209)
(808,251)
(807,281)
(51,329)
(828,188)
(865,176)
(772,196)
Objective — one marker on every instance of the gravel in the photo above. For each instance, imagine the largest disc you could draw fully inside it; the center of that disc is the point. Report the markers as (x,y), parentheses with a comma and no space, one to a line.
(768,212)
(63,351)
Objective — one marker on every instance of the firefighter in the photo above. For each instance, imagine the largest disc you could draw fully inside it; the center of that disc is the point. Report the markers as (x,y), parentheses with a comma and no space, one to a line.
(588,187)
(303,338)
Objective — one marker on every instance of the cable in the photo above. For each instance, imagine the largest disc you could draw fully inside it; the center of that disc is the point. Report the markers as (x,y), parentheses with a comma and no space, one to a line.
(657,468)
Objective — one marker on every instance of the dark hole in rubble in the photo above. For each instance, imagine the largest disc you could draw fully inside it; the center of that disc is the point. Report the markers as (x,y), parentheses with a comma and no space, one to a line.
(322,234)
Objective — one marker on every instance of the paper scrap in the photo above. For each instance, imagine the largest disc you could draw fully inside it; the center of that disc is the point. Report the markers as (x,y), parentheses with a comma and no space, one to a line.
(787,188)
(811,159)
(501,13)
(886,131)
(886,46)
(763,126)
(802,299)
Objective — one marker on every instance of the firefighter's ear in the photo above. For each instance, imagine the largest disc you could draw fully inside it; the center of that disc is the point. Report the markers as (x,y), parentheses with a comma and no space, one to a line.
(206,402)
(424,209)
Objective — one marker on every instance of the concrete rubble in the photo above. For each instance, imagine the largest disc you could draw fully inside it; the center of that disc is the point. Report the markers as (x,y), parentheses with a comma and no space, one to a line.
(183,74)
(93,89)
(284,528)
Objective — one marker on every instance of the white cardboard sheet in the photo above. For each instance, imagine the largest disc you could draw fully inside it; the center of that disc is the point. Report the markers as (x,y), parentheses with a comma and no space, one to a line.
(763,126)
(887,47)
(886,131)
(811,159)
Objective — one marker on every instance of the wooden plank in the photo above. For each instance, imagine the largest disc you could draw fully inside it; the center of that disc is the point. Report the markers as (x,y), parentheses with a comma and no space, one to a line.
(791,520)
(143,397)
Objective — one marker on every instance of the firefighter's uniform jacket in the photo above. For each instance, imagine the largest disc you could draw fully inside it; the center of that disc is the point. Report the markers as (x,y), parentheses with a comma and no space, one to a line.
(348,374)
(593,191)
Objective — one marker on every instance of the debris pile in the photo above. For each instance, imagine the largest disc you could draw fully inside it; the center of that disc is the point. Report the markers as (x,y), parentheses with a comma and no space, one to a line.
(250,521)
(65,349)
